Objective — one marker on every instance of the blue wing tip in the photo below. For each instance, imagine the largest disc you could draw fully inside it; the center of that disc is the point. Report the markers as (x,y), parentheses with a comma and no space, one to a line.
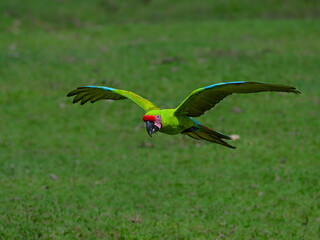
(196,122)
(223,83)
(104,88)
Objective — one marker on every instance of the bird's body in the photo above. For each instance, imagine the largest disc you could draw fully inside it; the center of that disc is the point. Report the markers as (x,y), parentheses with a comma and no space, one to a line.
(172,124)
(181,119)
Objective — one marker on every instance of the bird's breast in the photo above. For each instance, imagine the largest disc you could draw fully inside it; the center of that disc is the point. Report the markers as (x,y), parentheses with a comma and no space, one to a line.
(174,125)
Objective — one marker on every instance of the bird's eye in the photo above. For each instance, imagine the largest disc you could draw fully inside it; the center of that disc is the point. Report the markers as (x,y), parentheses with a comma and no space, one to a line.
(158,116)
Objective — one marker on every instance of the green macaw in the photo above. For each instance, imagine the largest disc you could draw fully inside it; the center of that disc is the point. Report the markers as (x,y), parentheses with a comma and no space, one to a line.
(180,119)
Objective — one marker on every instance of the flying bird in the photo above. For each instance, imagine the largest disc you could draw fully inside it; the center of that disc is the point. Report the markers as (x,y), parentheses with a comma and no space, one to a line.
(181,119)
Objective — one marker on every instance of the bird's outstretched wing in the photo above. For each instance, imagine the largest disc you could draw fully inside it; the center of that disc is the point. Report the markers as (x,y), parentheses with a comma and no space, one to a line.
(203,99)
(95,93)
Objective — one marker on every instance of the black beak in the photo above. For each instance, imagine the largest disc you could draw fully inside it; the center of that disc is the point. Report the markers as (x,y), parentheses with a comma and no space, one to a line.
(151,128)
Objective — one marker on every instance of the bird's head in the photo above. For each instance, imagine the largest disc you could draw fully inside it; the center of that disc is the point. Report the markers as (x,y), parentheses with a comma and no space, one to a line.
(153,123)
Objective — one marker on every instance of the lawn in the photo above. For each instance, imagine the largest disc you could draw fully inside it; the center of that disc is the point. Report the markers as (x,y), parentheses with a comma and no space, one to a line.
(92,172)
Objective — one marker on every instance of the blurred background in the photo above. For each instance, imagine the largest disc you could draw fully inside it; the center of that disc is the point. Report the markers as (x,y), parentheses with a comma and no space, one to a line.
(52,14)
(92,172)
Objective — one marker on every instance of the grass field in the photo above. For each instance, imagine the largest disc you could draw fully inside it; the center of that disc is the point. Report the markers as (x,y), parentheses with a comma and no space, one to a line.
(92,172)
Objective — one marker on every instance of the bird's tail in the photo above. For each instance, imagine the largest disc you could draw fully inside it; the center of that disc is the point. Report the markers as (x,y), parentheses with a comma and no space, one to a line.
(205,133)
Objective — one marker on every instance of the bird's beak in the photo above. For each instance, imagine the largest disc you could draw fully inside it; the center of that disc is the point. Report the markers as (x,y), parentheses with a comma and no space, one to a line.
(151,128)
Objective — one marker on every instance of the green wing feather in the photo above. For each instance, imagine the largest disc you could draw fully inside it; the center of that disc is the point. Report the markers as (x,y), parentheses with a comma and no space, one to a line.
(203,99)
(95,93)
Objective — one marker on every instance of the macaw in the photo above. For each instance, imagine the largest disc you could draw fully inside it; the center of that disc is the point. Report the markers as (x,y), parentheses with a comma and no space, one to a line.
(180,119)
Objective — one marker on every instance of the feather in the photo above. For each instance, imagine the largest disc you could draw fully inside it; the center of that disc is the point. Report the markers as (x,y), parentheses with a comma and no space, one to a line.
(202,132)
(203,99)
(95,93)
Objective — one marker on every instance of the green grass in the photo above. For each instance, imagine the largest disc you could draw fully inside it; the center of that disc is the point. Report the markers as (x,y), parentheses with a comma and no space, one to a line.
(57,14)
(92,172)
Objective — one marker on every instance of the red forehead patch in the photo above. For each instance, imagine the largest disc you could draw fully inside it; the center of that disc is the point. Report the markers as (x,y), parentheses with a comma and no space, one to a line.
(149,118)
